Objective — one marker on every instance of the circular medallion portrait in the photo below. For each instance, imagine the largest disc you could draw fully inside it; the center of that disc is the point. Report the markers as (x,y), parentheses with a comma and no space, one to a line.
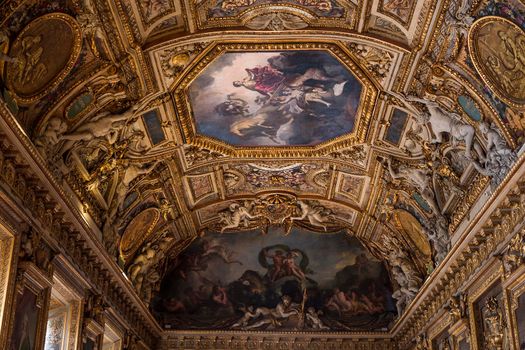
(497,48)
(45,52)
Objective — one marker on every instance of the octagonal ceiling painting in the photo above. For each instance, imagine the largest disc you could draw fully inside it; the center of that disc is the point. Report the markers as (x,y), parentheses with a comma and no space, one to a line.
(250,281)
(280,98)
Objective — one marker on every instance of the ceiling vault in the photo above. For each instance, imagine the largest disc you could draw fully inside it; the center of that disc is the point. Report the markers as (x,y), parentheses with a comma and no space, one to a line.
(251,173)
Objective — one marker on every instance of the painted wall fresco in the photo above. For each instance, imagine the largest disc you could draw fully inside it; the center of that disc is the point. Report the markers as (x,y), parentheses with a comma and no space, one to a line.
(154,127)
(249,281)
(275,98)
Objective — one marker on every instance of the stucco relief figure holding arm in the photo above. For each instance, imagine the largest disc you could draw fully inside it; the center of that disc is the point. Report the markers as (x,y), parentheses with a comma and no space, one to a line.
(51,135)
(499,157)
(4,38)
(440,121)
(237,215)
(417,178)
(103,125)
(131,172)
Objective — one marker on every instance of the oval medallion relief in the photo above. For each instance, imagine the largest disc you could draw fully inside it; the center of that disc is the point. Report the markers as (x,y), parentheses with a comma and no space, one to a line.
(137,231)
(497,48)
(46,51)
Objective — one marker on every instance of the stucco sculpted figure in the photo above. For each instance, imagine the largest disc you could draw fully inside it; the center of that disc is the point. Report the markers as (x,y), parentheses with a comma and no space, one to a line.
(235,216)
(4,38)
(457,307)
(441,122)
(495,337)
(417,178)
(141,272)
(131,172)
(499,157)
(514,256)
(317,215)
(104,125)
(403,272)
(50,136)
(457,22)
(438,236)
(403,294)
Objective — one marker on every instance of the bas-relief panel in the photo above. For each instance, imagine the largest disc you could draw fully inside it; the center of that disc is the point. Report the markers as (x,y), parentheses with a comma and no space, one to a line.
(496,47)
(514,11)
(151,17)
(304,280)
(39,67)
(152,9)
(201,187)
(401,10)
(231,8)
(251,178)
(350,187)
(288,98)
(386,27)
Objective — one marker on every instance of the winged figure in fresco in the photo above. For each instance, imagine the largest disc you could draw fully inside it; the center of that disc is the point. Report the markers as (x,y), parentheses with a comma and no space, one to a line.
(198,260)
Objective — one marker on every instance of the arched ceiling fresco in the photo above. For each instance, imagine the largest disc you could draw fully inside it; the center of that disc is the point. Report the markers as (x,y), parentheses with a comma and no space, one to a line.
(202,136)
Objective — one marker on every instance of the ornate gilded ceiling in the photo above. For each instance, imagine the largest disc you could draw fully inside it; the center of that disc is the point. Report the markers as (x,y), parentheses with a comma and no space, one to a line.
(375,124)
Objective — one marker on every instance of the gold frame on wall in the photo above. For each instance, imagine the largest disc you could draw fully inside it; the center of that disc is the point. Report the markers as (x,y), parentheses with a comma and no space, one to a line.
(186,121)
(489,283)
(32,279)
(513,292)
(7,245)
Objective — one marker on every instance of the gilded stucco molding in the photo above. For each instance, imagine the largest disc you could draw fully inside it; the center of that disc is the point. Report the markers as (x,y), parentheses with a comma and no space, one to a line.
(72,229)
(507,205)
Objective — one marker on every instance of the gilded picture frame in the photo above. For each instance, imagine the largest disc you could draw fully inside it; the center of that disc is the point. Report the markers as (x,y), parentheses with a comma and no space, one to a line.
(30,307)
(187,124)
(516,297)
(477,299)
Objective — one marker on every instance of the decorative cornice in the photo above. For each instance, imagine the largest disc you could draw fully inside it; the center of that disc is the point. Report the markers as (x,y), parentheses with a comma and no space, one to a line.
(495,222)
(61,220)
